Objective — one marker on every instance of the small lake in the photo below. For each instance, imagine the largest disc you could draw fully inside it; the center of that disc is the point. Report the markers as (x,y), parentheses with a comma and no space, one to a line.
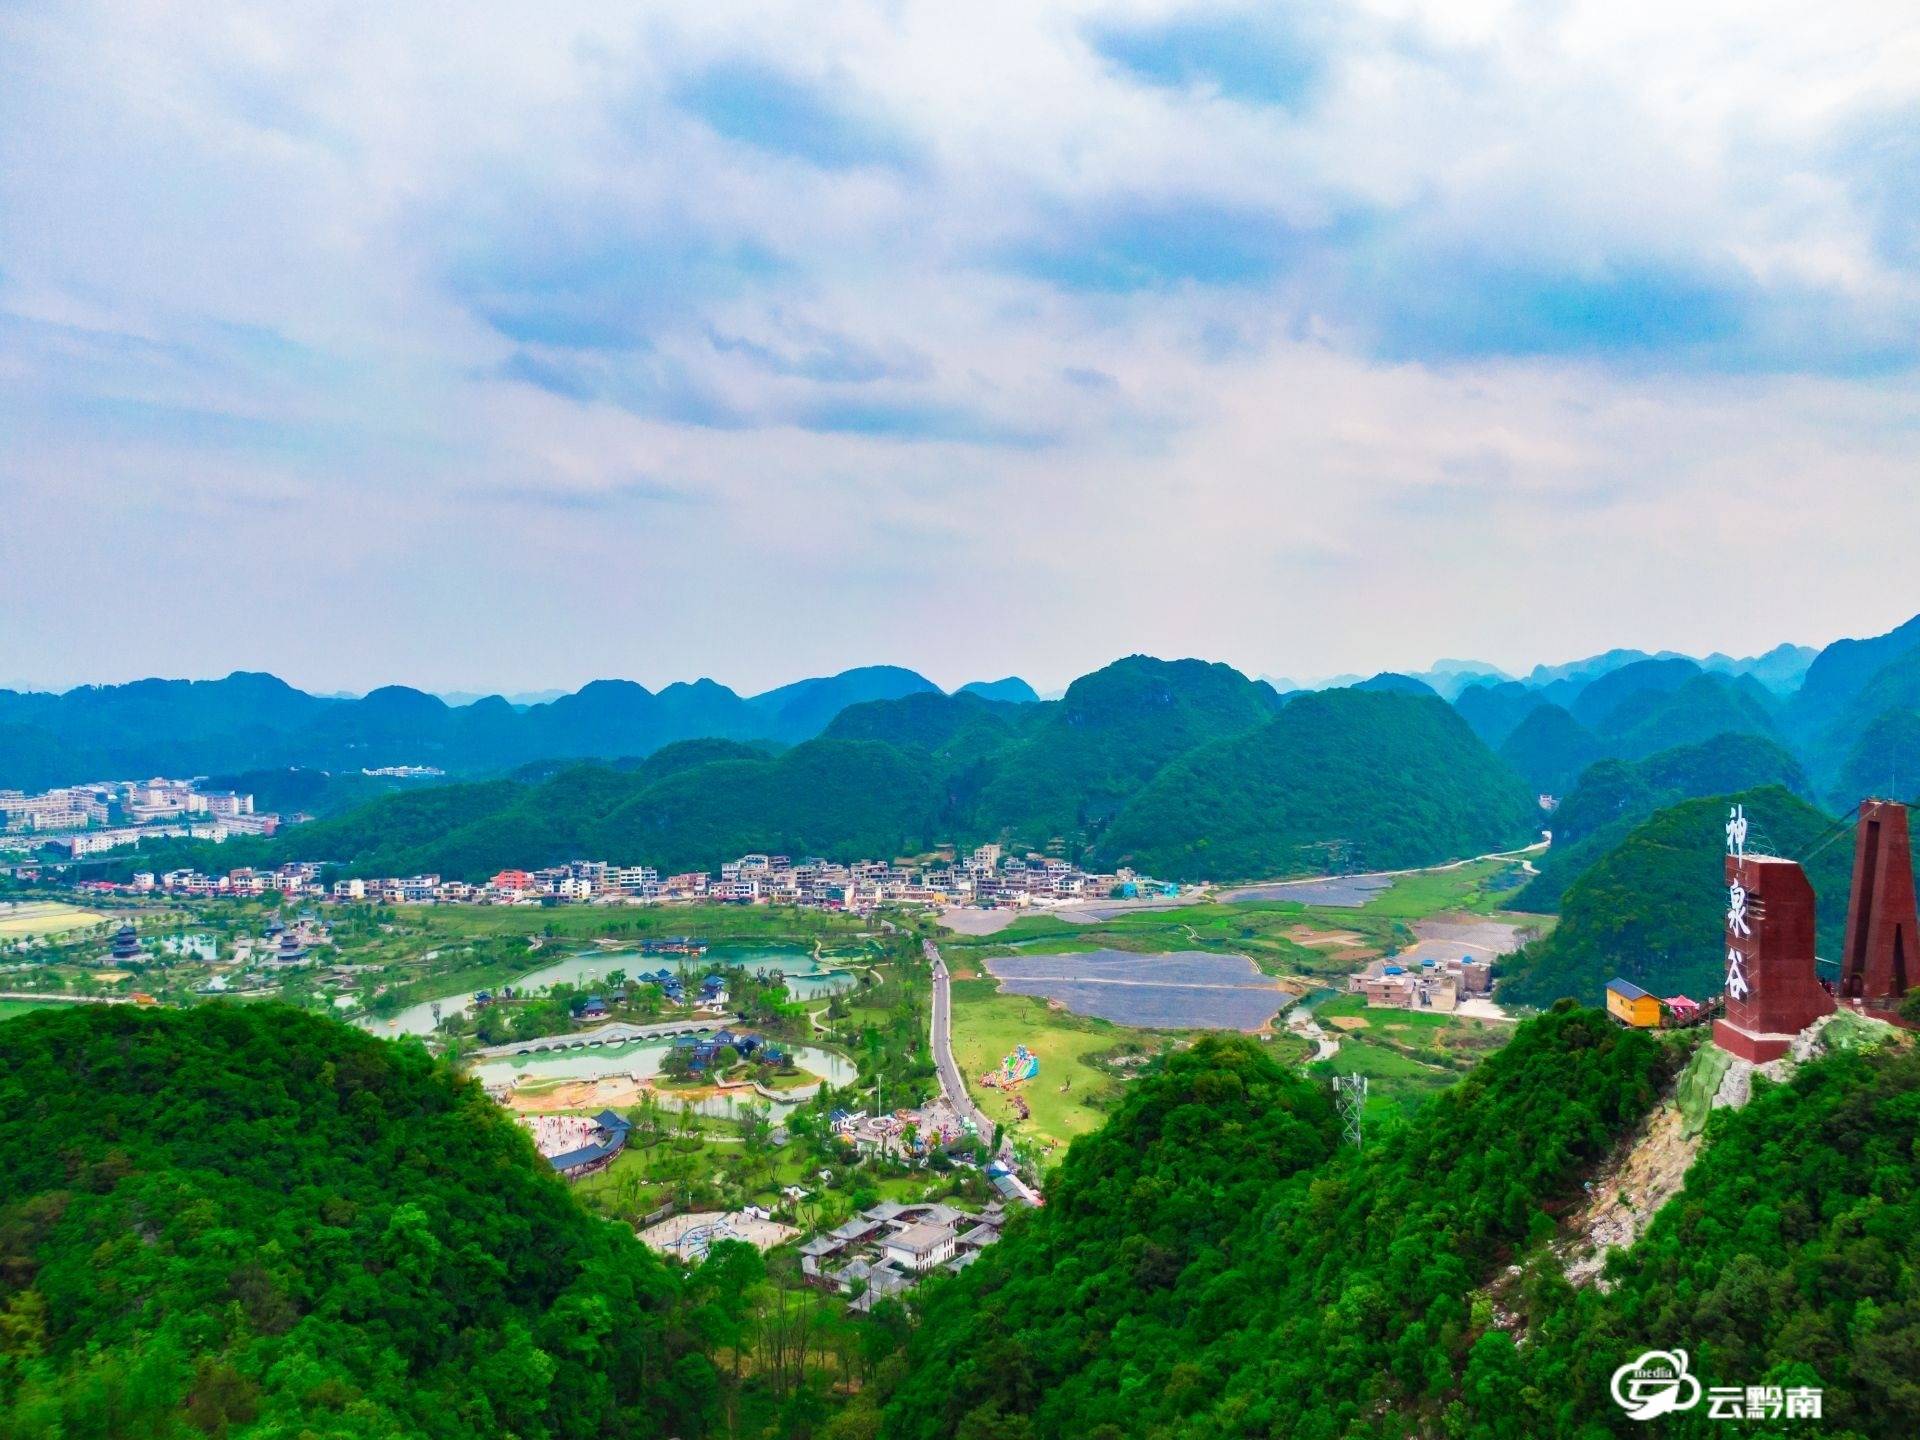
(643,1058)
(199,947)
(1184,990)
(804,981)
(1348,892)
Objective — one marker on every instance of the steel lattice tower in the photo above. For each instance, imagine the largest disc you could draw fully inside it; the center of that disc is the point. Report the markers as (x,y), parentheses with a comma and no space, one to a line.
(1350,1095)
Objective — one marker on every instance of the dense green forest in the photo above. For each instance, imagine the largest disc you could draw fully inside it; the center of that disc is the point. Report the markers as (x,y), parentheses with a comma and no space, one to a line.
(1087,756)
(256,1220)
(692,774)
(1379,779)
(1209,774)
(1788,1259)
(1209,1265)
(1651,908)
(1638,683)
(1549,749)
(1705,706)
(1613,796)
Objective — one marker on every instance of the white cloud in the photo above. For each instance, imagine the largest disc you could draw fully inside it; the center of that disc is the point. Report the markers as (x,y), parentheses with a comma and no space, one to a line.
(343,328)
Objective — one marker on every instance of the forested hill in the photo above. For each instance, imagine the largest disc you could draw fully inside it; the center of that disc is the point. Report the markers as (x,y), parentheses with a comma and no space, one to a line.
(256,1220)
(1209,1264)
(1613,796)
(1380,779)
(1650,909)
(1848,715)
(1208,776)
(1788,1260)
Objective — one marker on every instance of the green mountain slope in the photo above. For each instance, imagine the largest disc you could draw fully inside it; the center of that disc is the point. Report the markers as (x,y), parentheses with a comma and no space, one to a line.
(1893,690)
(1549,749)
(1839,672)
(1391,780)
(843,798)
(943,725)
(803,709)
(1788,1260)
(1204,1267)
(1641,680)
(1883,761)
(1085,756)
(254,1221)
(1651,908)
(1613,796)
(1494,711)
(1649,720)
(1393,683)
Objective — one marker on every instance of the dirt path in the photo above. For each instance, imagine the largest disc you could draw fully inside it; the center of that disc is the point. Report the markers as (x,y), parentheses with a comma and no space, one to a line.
(1302,1023)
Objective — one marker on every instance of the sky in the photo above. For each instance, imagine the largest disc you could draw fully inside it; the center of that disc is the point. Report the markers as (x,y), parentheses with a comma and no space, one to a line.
(496,346)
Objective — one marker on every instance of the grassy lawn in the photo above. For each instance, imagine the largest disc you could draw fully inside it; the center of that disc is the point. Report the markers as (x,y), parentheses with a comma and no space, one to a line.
(1407,1054)
(44,917)
(987,1025)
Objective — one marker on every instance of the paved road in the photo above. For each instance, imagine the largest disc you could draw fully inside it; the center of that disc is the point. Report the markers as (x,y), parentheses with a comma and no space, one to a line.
(1234,891)
(952,1084)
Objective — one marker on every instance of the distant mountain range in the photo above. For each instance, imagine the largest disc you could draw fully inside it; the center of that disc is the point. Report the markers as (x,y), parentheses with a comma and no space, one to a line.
(251,721)
(1183,768)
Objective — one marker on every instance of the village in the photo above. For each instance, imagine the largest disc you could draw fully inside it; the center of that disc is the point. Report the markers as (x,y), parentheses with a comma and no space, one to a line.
(985,878)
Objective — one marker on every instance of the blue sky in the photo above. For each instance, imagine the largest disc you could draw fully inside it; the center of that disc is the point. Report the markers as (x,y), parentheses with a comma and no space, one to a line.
(762,340)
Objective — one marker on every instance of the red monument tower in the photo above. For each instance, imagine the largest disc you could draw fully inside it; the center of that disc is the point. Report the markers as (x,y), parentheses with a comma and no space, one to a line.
(1773,989)
(1881,925)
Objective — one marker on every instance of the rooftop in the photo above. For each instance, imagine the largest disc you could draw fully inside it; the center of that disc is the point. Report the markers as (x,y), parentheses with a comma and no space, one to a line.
(918,1239)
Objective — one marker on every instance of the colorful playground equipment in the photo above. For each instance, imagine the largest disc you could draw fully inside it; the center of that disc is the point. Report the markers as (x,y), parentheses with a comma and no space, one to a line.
(1015,1070)
(1020,1066)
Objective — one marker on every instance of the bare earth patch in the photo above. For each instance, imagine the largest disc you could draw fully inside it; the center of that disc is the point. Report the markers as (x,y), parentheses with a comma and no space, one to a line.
(1628,1191)
(1323,939)
(1348,1022)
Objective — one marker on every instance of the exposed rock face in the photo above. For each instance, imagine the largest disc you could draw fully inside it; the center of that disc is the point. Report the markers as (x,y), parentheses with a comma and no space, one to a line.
(1651,1167)
(1625,1195)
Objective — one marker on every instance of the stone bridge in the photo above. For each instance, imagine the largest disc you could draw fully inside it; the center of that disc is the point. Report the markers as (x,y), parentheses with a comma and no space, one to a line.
(618,1032)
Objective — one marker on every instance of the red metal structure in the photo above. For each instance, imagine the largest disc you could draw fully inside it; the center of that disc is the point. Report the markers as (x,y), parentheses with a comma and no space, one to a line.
(1773,989)
(1877,963)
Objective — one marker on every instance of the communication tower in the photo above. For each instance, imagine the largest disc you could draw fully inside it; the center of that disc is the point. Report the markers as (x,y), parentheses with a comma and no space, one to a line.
(1350,1096)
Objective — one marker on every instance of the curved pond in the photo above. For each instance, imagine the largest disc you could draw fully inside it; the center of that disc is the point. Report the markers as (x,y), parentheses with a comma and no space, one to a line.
(804,981)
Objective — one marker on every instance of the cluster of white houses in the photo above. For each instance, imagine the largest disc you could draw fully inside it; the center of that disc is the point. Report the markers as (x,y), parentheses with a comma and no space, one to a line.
(106,814)
(889,1248)
(985,876)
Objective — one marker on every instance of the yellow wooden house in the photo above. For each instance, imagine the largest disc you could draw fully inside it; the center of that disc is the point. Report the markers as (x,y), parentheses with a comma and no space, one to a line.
(1630,1005)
